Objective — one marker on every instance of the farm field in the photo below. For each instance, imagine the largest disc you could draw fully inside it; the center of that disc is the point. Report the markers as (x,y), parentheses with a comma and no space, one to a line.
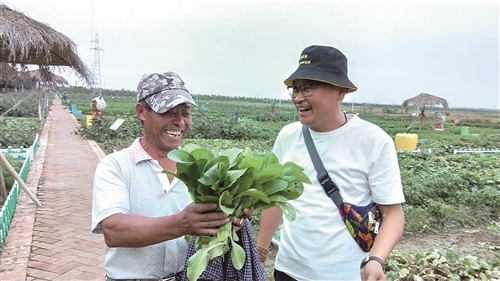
(452,197)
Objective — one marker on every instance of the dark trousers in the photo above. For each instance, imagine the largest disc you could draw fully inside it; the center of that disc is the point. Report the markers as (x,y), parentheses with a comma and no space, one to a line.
(281,276)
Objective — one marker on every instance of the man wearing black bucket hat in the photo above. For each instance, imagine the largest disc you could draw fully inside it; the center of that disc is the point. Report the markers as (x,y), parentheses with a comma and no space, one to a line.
(358,156)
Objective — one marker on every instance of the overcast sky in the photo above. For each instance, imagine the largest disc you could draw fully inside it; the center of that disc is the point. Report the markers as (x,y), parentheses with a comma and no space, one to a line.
(396,50)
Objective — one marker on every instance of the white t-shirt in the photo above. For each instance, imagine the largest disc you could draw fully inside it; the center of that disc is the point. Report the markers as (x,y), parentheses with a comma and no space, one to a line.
(361,159)
(131,182)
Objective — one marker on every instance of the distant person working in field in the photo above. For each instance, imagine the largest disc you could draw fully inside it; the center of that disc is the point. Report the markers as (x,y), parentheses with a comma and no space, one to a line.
(65,97)
(142,212)
(358,156)
(97,104)
(236,115)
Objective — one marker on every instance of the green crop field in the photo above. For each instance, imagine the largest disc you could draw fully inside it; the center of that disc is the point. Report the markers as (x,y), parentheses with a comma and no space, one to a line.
(445,190)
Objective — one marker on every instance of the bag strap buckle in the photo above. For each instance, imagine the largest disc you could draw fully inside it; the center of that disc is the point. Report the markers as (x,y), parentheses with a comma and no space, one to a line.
(331,189)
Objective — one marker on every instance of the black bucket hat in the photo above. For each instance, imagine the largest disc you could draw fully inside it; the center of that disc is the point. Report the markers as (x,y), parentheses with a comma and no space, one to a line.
(325,64)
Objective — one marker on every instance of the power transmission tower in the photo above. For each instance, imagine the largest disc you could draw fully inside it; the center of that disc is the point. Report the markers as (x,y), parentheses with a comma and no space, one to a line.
(96,88)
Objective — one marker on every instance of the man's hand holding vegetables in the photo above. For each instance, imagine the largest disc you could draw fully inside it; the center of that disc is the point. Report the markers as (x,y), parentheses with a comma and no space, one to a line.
(143,213)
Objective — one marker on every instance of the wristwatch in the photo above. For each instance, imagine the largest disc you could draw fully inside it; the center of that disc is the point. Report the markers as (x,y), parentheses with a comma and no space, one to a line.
(372,258)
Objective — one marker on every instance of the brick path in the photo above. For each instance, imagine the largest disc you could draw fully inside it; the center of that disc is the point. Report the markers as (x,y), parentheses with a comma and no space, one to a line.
(54,242)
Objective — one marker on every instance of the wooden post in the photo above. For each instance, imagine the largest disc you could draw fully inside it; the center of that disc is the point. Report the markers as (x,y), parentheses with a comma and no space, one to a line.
(3,190)
(19,180)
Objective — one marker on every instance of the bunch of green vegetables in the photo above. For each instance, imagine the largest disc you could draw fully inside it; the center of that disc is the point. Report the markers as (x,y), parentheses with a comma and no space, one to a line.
(235,179)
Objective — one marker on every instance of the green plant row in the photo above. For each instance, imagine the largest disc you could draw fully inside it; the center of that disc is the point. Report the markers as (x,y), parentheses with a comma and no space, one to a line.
(438,185)
(440,265)
(18,131)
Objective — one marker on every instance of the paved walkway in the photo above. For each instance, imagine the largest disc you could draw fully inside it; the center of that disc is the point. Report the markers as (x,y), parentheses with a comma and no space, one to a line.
(54,242)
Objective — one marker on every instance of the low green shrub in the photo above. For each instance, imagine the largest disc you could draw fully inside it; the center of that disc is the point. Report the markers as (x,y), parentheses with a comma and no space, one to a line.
(16,164)
(441,264)
(18,131)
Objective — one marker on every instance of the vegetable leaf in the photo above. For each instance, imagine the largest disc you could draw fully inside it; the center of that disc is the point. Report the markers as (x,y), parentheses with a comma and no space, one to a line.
(235,179)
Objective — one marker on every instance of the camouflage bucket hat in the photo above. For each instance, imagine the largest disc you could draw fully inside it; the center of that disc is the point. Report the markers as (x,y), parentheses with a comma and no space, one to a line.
(163,91)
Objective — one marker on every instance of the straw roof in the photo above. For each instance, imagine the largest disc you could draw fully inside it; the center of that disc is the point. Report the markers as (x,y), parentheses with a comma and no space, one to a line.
(424,100)
(41,75)
(24,40)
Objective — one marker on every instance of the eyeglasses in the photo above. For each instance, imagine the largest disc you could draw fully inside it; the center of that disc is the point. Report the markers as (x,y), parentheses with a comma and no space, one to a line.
(306,89)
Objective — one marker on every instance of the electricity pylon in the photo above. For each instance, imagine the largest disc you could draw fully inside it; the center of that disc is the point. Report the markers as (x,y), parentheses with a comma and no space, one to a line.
(96,88)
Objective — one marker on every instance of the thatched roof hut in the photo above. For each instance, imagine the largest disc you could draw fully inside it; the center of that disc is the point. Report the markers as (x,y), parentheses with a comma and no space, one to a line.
(421,101)
(424,100)
(24,41)
(47,79)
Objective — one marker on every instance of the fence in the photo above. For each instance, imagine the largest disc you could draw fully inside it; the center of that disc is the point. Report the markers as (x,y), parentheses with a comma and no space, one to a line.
(7,212)
(455,151)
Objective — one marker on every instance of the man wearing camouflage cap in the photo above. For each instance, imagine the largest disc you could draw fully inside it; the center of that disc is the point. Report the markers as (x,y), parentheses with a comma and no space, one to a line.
(142,212)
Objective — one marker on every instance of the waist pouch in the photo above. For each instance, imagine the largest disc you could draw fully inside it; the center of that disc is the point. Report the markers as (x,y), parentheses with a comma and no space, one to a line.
(362,222)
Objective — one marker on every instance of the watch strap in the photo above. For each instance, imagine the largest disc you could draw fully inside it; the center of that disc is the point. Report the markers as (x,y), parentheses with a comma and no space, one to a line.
(373,258)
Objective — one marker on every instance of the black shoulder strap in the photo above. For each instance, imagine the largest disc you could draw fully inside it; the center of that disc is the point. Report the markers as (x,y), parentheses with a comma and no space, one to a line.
(330,187)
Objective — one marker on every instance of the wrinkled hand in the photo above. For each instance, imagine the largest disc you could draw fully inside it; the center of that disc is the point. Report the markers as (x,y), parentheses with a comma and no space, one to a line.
(238,222)
(202,219)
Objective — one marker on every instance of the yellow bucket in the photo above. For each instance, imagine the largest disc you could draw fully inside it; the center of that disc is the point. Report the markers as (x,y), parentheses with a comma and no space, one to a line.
(89,120)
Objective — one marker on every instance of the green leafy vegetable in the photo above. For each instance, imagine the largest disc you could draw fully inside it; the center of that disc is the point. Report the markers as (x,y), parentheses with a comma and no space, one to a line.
(235,179)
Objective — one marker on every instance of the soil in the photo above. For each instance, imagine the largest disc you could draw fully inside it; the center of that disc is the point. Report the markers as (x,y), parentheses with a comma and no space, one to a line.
(478,241)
